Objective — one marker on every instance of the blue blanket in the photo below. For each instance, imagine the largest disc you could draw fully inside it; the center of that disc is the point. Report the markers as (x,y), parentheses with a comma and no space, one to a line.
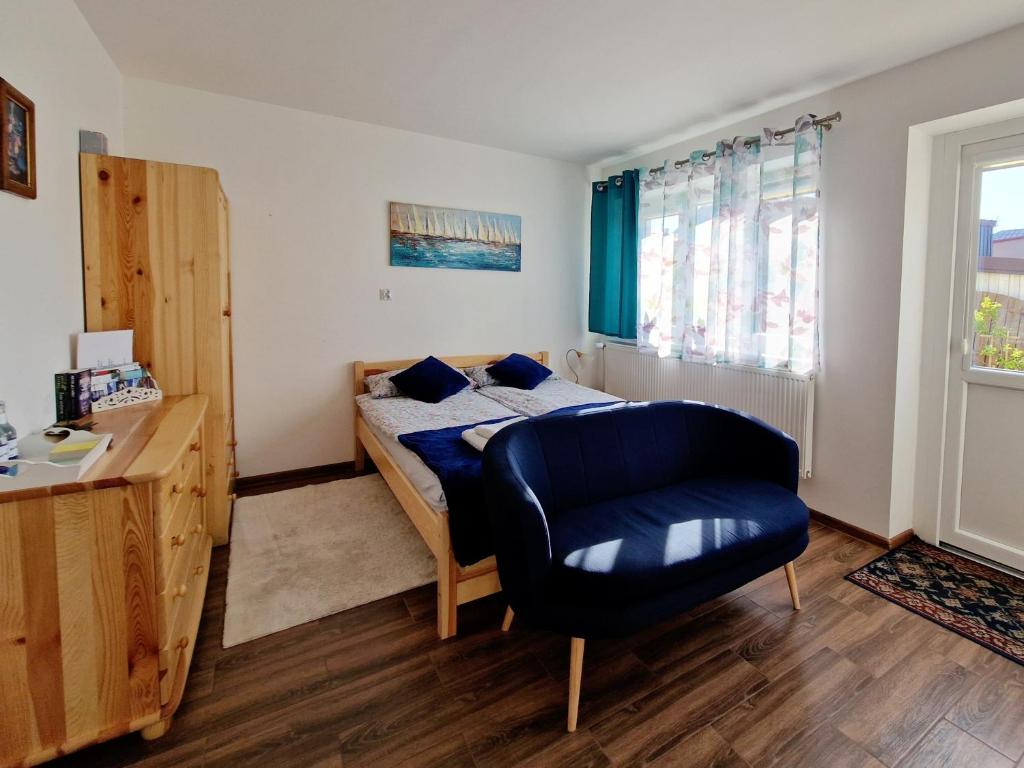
(459,466)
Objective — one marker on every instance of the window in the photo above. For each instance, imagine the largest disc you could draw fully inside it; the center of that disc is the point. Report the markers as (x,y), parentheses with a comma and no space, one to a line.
(728,255)
(998,299)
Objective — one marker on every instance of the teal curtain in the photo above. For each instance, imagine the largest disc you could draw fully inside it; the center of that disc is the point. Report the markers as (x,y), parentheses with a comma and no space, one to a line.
(613,255)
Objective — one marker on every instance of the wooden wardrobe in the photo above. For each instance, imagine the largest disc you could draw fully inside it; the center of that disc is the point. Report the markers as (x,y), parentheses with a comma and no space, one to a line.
(156,252)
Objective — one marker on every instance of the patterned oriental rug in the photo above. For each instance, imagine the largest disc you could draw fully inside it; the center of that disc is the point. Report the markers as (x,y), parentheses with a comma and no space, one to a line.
(981,603)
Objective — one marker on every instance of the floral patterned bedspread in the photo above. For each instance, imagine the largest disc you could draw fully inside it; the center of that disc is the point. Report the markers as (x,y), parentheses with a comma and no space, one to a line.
(549,395)
(400,415)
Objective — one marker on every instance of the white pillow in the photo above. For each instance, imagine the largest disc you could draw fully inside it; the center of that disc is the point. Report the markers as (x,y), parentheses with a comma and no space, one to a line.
(379,385)
(480,377)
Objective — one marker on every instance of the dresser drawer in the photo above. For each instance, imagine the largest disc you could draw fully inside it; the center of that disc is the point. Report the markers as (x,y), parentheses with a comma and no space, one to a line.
(175,586)
(175,535)
(170,491)
(178,644)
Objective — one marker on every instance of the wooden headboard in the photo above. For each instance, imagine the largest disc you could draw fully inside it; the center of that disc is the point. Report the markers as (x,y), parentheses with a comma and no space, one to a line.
(361,369)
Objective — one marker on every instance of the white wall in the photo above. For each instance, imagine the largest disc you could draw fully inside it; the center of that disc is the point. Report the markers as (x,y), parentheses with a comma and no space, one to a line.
(309,235)
(50,54)
(864,173)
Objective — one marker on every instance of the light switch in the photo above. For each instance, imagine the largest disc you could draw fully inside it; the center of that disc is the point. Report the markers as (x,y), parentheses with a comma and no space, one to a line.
(385,294)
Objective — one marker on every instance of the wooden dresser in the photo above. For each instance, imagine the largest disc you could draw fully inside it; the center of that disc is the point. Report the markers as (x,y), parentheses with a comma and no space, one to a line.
(156,258)
(101,587)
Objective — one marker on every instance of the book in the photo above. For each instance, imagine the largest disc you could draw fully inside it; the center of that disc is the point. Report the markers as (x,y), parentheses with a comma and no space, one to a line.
(71,394)
(80,396)
(60,395)
(73,451)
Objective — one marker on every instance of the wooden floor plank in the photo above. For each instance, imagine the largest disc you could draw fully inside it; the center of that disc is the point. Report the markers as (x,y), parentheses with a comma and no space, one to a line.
(852,681)
(946,746)
(807,695)
(888,716)
(993,710)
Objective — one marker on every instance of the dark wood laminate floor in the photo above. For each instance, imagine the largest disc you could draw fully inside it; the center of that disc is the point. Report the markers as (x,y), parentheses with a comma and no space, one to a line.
(851,680)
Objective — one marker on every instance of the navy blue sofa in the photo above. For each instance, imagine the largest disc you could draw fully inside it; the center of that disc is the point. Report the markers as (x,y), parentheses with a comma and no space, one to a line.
(609,521)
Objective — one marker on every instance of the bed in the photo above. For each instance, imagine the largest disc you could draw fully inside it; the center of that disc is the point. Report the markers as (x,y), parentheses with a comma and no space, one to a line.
(384,430)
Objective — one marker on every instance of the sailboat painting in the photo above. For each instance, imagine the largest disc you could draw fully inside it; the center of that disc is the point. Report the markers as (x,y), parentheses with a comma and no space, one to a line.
(451,238)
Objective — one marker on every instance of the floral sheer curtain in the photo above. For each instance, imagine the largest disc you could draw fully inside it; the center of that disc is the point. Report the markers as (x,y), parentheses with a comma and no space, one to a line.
(728,242)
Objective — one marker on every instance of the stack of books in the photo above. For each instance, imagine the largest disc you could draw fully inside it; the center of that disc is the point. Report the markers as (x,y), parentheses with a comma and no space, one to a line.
(108,381)
(77,390)
(72,391)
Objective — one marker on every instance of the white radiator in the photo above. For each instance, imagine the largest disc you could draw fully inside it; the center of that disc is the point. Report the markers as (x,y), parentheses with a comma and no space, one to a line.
(784,400)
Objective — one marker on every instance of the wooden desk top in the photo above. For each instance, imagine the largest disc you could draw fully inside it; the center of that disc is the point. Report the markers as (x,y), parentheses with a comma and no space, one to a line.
(147,440)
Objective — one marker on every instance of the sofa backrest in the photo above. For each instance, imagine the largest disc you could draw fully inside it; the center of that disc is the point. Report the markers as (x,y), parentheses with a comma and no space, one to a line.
(593,456)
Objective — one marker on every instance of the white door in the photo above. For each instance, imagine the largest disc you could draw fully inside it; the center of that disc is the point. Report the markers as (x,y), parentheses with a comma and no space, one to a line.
(983,466)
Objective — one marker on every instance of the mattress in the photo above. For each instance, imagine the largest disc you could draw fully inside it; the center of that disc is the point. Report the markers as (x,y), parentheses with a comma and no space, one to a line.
(412,466)
(396,416)
(549,395)
(389,417)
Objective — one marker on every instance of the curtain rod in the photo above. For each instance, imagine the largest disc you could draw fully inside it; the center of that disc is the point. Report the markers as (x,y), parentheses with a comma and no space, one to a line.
(825,122)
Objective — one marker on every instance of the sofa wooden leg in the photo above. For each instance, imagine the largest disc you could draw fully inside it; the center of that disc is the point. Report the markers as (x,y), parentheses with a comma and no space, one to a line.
(575,677)
(507,621)
(793,591)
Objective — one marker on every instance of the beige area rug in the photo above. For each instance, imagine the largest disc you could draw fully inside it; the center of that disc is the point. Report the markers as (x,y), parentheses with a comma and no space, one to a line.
(302,554)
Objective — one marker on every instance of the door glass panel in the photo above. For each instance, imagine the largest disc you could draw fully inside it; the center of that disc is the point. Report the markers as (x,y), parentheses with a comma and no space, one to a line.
(999,283)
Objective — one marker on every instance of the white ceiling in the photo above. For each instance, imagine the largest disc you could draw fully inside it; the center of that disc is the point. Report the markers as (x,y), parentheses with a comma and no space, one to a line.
(579,80)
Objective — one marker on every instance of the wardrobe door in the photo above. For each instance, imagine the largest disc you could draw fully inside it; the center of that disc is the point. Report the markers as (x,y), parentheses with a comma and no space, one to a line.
(145,236)
(121,280)
(220,520)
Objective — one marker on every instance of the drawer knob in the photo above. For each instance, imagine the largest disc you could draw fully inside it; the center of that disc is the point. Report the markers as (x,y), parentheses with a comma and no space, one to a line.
(176,488)
(177,541)
(195,447)
(197,528)
(183,642)
(227,312)
(198,490)
(233,444)
(199,570)
(180,591)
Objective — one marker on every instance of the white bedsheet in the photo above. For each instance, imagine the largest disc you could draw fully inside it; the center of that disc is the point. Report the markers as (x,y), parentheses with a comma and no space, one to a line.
(549,395)
(412,466)
(396,416)
(390,417)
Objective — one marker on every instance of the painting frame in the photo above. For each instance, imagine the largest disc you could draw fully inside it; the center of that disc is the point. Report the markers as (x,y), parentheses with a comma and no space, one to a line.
(443,237)
(17,142)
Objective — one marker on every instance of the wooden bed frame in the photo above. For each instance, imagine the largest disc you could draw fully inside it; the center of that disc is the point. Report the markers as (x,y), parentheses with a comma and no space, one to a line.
(455,584)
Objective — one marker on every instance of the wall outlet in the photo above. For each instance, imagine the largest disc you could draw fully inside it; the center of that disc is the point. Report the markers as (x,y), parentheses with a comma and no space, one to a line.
(385,294)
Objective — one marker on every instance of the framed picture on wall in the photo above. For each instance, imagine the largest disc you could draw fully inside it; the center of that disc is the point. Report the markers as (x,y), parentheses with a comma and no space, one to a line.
(17,142)
(454,238)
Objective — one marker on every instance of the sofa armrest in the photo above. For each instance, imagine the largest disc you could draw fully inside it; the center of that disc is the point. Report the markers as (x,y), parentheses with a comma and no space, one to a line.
(518,524)
(757,449)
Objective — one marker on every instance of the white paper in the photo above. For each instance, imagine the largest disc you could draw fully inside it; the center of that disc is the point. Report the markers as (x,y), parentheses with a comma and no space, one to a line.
(104,349)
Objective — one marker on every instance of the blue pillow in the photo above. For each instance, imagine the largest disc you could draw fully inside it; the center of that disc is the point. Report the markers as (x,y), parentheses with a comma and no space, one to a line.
(430,381)
(519,371)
